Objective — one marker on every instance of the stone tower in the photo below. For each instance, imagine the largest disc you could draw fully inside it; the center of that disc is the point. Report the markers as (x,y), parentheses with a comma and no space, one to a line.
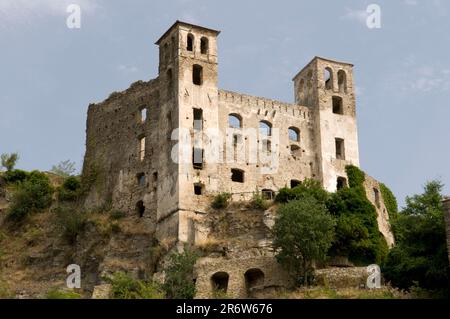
(326,87)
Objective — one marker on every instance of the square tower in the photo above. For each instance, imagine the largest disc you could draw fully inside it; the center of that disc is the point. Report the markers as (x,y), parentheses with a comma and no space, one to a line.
(326,87)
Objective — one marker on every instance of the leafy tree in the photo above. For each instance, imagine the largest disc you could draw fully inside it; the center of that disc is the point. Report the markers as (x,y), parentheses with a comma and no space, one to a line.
(307,188)
(33,194)
(420,255)
(64,168)
(9,161)
(303,233)
(179,281)
(357,233)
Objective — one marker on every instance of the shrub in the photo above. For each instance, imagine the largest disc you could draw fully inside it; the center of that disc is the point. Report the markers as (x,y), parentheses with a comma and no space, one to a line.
(179,282)
(258,202)
(70,189)
(356,177)
(62,294)
(8,161)
(303,233)
(71,222)
(390,201)
(15,176)
(221,201)
(307,188)
(34,194)
(126,287)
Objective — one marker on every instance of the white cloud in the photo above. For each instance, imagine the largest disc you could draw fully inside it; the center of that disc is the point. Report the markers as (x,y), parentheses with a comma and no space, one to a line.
(355,15)
(127,69)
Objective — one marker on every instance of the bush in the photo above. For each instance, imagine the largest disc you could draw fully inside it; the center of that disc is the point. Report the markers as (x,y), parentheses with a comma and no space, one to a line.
(303,233)
(70,189)
(389,201)
(126,287)
(179,282)
(221,201)
(71,222)
(15,176)
(356,177)
(32,195)
(258,202)
(307,188)
(62,294)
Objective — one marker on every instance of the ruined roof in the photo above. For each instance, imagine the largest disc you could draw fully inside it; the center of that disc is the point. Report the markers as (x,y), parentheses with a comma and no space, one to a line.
(323,59)
(190,25)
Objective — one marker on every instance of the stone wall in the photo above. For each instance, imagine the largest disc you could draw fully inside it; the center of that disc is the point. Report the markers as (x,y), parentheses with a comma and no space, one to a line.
(447,223)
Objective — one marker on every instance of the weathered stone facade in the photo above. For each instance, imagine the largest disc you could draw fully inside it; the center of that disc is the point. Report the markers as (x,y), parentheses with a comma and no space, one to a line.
(132,141)
(447,223)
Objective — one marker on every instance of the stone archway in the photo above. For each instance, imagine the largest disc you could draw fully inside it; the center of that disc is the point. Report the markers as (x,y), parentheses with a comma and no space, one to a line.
(219,281)
(254,278)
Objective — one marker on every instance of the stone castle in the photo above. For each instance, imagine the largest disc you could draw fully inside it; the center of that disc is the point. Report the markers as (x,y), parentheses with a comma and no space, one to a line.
(136,143)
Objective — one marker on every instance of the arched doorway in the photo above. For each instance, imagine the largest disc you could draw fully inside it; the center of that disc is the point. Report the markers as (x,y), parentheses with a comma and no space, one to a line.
(253,278)
(219,281)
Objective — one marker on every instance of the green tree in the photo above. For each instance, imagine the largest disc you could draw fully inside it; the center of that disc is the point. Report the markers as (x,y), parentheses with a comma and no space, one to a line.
(179,281)
(307,188)
(126,287)
(32,195)
(303,233)
(9,161)
(420,255)
(64,168)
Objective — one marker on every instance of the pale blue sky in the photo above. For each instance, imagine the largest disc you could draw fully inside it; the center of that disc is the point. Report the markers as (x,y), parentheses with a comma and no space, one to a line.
(49,73)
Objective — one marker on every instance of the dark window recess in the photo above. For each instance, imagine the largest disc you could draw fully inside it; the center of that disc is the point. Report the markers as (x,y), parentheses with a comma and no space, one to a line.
(268,194)
(141,179)
(219,281)
(340,149)
(190,42)
(198,189)
(197,158)
(338,107)
(341,183)
(197,74)
(204,45)
(376,194)
(198,119)
(140,209)
(295,183)
(253,278)
(237,175)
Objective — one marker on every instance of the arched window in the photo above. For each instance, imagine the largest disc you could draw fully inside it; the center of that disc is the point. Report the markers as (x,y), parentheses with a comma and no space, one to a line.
(265,128)
(294,134)
(190,42)
(254,278)
(341,183)
(235,121)
(328,78)
(197,74)
(342,81)
(219,281)
(204,45)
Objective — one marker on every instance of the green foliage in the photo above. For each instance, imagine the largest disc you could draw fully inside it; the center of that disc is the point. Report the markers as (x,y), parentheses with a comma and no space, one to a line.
(32,195)
(356,177)
(15,176)
(420,255)
(179,281)
(62,294)
(64,168)
(307,188)
(258,202)
(221,201)
(9,161)
(303,233)
(70,189)
(126,287)
(389,201)
(71,222)
(357,233)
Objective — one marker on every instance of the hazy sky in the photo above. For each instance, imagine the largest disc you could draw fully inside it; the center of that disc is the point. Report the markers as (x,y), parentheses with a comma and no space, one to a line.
(49,73)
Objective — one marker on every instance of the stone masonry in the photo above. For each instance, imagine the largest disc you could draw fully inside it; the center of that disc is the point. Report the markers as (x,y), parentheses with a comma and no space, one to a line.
(136,140)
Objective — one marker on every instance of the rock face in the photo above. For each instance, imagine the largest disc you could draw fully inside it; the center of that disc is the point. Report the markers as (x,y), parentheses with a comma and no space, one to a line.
(140,159)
